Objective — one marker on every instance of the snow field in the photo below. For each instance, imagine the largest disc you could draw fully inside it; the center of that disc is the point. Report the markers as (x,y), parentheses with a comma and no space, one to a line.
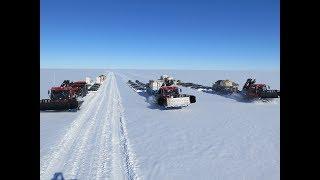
(122,134)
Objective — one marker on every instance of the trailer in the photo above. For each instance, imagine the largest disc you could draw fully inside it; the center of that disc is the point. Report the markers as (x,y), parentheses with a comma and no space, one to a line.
(225,87)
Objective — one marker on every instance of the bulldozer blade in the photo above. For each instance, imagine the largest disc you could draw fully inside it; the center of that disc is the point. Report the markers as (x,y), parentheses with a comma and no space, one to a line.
(47,104)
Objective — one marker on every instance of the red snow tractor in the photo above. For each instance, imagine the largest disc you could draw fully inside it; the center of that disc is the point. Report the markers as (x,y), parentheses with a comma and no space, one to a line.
(61,98)
(252,90)
(170,97)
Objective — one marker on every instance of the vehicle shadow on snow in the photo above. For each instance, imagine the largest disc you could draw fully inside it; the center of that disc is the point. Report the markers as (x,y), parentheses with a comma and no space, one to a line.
(59,111)
(234,96)
(59,176)
(240,98)
(150,99)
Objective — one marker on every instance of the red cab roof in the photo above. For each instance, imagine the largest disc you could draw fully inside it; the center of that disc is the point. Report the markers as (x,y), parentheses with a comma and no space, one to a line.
(258,85)
(61,88)
(80,82)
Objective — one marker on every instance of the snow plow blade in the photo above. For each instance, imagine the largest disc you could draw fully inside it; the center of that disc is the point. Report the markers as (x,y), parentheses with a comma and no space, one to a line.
(47,104)
(178,102)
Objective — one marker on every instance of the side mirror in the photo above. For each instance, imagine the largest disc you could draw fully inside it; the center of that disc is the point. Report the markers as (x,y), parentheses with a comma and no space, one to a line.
(180,90)
(48,92)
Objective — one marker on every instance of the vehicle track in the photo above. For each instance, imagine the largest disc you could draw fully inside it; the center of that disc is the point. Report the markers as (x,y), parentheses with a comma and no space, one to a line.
(122,154)
(96,145)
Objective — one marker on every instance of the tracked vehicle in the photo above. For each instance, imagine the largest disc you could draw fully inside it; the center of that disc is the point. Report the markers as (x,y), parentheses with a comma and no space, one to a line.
(61,98)
(261,91)
(170,97)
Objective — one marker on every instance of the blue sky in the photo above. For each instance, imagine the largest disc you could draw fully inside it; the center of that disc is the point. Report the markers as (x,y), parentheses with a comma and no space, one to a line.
(160,34)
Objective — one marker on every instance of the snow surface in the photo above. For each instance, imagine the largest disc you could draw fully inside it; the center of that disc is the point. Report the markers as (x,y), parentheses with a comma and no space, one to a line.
(122,134)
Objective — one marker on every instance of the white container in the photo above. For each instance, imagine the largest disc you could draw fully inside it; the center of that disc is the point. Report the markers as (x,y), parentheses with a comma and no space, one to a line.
(98,80)
(164,77)
(155,85)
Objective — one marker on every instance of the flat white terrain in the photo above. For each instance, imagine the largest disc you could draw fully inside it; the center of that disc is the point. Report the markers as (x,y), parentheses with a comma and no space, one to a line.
(120,134)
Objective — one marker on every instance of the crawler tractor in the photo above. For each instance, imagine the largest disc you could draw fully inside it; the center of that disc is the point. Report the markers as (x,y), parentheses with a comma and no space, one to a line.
(170,97)
(262,91)
(167,94)
(61,98)
(81,88)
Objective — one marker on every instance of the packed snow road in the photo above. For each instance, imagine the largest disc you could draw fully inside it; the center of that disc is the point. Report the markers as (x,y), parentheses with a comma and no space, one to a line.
(95,146)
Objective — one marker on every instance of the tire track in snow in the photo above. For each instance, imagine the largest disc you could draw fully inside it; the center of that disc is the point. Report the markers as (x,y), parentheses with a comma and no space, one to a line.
(82,147)
(100,169)
(52,162)
(122,154)
(118,171)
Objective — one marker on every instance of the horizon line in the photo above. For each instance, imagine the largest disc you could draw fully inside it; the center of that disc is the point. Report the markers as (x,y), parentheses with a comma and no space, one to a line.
(92,68)
(278,69)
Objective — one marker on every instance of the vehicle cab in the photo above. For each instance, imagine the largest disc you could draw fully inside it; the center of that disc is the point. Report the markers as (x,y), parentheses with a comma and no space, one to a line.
(169,91)
(61,93)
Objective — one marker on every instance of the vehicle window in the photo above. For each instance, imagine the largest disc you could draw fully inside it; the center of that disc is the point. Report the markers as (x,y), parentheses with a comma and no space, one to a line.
(55,95)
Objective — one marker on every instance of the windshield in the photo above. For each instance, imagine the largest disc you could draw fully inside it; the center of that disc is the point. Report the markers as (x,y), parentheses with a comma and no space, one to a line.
(171,92)
(55,95)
